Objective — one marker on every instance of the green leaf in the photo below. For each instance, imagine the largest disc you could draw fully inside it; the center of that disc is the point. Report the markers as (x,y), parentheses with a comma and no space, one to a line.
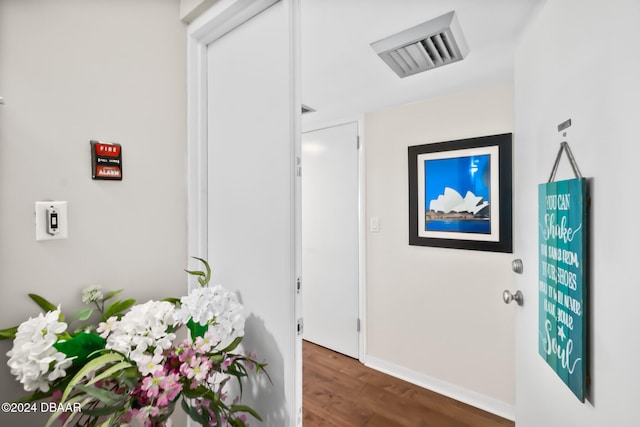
(80,347)
(193,393)
(9,333)
(196,329)
(204,278)
(111,310)
(97,363)
(245,408)
(216,358)
(117,307)
(82,314)
(193,414)
(111,294)
(108,373)
(233,345)
(174,301)
(107,397)
(237,370)
(216,408)
(43,303)
(196,273)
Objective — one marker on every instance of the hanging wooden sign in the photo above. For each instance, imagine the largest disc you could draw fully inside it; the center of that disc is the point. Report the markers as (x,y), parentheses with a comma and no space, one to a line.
(562,324)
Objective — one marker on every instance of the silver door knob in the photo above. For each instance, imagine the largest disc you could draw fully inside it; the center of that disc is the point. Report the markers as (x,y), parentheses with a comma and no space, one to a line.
(507,297)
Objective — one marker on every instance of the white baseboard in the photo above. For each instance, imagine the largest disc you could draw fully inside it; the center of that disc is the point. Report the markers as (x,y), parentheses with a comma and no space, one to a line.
(453,391)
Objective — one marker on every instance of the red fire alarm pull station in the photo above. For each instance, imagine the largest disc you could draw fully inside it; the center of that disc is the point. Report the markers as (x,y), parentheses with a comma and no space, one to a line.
(106,160)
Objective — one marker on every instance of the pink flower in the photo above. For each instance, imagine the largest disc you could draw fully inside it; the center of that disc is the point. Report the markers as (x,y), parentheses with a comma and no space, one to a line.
(199,368)
(152,384)
(172,386)
(105,328)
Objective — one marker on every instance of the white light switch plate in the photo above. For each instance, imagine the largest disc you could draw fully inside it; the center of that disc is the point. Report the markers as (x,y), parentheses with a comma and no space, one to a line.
(41,220)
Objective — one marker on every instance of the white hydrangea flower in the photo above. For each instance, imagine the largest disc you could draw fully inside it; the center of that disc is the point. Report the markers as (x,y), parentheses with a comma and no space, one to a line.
(144,330)
(216,307)
(92,294)
(33,359)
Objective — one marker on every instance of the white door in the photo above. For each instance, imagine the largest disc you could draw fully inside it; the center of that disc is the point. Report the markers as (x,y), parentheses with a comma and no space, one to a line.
(252,139)
(330,237)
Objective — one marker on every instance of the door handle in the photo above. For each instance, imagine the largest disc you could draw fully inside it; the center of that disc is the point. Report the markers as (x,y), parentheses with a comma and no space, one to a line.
(507,297)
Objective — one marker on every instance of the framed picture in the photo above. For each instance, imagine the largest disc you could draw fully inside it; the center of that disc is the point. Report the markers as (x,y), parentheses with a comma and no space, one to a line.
(460,194)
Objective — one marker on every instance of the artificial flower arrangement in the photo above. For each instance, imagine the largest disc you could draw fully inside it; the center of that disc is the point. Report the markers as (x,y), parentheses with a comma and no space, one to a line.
(131,364)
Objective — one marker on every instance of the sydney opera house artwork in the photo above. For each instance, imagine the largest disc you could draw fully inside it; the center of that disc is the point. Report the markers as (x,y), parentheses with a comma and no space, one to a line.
(458,194)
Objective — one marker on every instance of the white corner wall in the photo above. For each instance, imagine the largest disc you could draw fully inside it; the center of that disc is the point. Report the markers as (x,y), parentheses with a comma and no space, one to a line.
(435,316)
(72,71)
(563,70)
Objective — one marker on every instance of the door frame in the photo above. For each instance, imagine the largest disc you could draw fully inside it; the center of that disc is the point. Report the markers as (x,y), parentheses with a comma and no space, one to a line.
(221,18)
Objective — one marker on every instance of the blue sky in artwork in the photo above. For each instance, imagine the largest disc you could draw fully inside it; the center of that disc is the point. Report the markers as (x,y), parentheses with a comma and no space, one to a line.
(472,173)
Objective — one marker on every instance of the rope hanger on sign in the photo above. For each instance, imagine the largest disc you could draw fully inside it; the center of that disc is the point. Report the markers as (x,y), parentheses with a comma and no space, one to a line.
(564,147)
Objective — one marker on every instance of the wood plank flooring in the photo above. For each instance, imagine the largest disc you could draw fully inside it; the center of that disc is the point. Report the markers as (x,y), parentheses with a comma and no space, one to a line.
(340,391)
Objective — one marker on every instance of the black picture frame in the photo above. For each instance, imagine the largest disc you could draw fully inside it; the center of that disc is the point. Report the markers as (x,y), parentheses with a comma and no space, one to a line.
(477,222)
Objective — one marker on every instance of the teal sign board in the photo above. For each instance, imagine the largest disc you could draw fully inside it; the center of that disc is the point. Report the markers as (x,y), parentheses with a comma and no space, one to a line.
(562,229)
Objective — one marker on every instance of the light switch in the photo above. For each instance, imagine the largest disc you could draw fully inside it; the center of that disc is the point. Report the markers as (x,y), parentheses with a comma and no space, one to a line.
(51,220)
(374,224)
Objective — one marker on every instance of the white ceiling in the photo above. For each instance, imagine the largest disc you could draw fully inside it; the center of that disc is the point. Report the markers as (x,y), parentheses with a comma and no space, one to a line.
(342,76)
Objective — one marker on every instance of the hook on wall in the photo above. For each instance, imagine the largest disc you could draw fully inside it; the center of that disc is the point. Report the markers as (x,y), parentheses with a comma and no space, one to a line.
(562,126)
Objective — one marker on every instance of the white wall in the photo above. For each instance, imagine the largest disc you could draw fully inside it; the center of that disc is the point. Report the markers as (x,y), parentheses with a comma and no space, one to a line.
(577,61)
(435,316)
(71,71)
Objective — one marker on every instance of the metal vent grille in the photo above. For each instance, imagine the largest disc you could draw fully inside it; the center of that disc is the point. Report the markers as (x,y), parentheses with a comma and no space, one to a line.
(431,44)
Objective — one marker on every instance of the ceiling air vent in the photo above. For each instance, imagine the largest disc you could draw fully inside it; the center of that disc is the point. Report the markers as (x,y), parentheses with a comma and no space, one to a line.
(429,45)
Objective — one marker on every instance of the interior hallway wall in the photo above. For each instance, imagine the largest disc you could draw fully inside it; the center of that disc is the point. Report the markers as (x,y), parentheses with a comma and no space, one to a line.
(562,71)
(436,316)
(72,71)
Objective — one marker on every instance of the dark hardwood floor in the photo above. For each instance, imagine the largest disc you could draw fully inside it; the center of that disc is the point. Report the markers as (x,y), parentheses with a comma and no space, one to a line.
(340,391)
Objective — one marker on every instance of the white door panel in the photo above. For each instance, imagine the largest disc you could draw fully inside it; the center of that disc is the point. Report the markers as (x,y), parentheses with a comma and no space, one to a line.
(251,197)
(330,237)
